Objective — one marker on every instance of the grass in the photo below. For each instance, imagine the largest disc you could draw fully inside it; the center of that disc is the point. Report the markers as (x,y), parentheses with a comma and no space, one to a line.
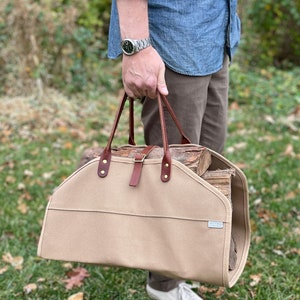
(40,145)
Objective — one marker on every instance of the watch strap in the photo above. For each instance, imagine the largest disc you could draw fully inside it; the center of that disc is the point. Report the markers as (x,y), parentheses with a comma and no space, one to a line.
(142,44)
(136,45)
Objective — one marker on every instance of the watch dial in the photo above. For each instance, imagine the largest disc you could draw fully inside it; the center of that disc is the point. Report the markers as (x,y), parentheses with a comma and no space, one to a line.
(128,47)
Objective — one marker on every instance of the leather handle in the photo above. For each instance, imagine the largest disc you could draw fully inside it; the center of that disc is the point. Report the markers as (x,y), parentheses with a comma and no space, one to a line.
(166,162)
(184,138)
(105,157)
(131,140)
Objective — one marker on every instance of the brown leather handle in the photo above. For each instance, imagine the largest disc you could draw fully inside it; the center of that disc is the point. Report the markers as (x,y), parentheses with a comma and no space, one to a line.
(105,158)
(166,161)
(131,140)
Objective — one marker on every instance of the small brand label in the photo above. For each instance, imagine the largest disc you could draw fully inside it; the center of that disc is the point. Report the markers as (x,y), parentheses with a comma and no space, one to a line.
(215,224)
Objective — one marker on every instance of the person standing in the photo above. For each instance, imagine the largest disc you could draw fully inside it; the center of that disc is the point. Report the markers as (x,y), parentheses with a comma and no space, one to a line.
(181,49)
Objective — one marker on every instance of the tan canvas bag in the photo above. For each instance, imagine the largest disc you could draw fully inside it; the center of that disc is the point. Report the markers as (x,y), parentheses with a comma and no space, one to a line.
(150,213)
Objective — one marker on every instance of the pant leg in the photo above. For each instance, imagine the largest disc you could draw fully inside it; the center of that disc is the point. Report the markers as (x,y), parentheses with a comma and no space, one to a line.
(214,122)
(200,104)
(187,96)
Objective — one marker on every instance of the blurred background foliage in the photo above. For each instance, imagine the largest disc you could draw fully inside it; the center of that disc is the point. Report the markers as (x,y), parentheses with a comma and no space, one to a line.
(52,43)
(62,44)
(271,32)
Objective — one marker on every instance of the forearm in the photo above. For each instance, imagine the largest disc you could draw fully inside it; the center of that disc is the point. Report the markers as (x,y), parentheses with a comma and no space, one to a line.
(143,72)
(133,17)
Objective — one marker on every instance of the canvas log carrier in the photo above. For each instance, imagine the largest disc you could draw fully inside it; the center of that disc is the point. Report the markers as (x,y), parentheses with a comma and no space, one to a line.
(179,210)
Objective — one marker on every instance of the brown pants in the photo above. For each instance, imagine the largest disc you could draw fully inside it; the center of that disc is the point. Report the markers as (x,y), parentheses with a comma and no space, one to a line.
(200,103)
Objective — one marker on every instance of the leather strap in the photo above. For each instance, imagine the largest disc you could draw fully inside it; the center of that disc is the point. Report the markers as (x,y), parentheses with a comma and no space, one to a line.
(166,162)
(184,138)
(131,122)
(105,157)
(131,140)
(138,165)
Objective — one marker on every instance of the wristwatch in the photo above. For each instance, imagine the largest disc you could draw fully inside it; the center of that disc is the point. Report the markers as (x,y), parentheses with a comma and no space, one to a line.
(130,47)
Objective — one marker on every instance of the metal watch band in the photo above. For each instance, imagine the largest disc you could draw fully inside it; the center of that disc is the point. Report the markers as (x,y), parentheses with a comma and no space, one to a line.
(142,44)
(130,47)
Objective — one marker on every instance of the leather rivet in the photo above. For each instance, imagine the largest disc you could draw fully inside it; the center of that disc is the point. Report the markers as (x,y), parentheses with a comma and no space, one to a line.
(102,172)
(167,165)
(166,176)
(104,161)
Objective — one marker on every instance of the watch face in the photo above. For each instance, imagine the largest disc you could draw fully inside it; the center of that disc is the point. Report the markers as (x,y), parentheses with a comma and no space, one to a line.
(128,47)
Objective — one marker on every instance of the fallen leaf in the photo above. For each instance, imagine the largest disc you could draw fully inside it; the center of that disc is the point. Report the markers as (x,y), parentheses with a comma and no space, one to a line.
(29,288)
(220,292)
(266,215)
(78,296)
(26,196)
(289,150)
(67,265)
(269,119)
(7,257)
(3,270)
(21,186)
(204,289)
(22,208)
(132,291)
(10,179)
(48,175)
(76,277)
(28,173)
(240,146)
(294,251)
(290,195)
(68,145)
(255,279)
(257,202)
(16,262)
(278,252)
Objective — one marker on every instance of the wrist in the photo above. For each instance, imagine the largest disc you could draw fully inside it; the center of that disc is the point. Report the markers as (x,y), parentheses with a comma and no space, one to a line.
(132,46)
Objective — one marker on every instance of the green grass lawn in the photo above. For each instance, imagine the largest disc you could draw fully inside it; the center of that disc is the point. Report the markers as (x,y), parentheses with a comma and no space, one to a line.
(41,142)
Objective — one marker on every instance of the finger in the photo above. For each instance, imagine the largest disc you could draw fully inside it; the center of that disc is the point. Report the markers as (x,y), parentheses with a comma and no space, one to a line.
(131,91)
(161,83)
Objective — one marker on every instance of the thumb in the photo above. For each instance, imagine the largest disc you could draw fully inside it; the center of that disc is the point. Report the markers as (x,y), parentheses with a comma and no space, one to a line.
(161,82)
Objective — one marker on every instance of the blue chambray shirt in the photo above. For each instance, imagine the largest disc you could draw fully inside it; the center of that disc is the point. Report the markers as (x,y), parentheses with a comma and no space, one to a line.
(191,36)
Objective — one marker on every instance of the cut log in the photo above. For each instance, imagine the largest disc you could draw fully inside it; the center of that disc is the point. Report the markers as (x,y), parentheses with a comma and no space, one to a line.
(196,158)
(221,180)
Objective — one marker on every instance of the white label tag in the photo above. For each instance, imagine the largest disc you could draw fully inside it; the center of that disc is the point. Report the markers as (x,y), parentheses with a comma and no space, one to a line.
(215,224)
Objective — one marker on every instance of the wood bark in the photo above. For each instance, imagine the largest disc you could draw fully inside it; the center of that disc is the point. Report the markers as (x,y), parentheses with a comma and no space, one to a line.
(196,158)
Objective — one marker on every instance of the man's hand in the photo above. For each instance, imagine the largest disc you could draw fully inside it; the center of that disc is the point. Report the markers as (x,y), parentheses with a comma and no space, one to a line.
(144,74)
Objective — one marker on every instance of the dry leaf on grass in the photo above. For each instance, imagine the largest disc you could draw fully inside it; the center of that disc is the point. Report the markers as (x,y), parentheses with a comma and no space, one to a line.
(3,270)
(289,150)
(29,288)
(76,277)
(22,207)
(220,292)
(255,279)
(10,179)
(78,296)
(67,265)
(16,262)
